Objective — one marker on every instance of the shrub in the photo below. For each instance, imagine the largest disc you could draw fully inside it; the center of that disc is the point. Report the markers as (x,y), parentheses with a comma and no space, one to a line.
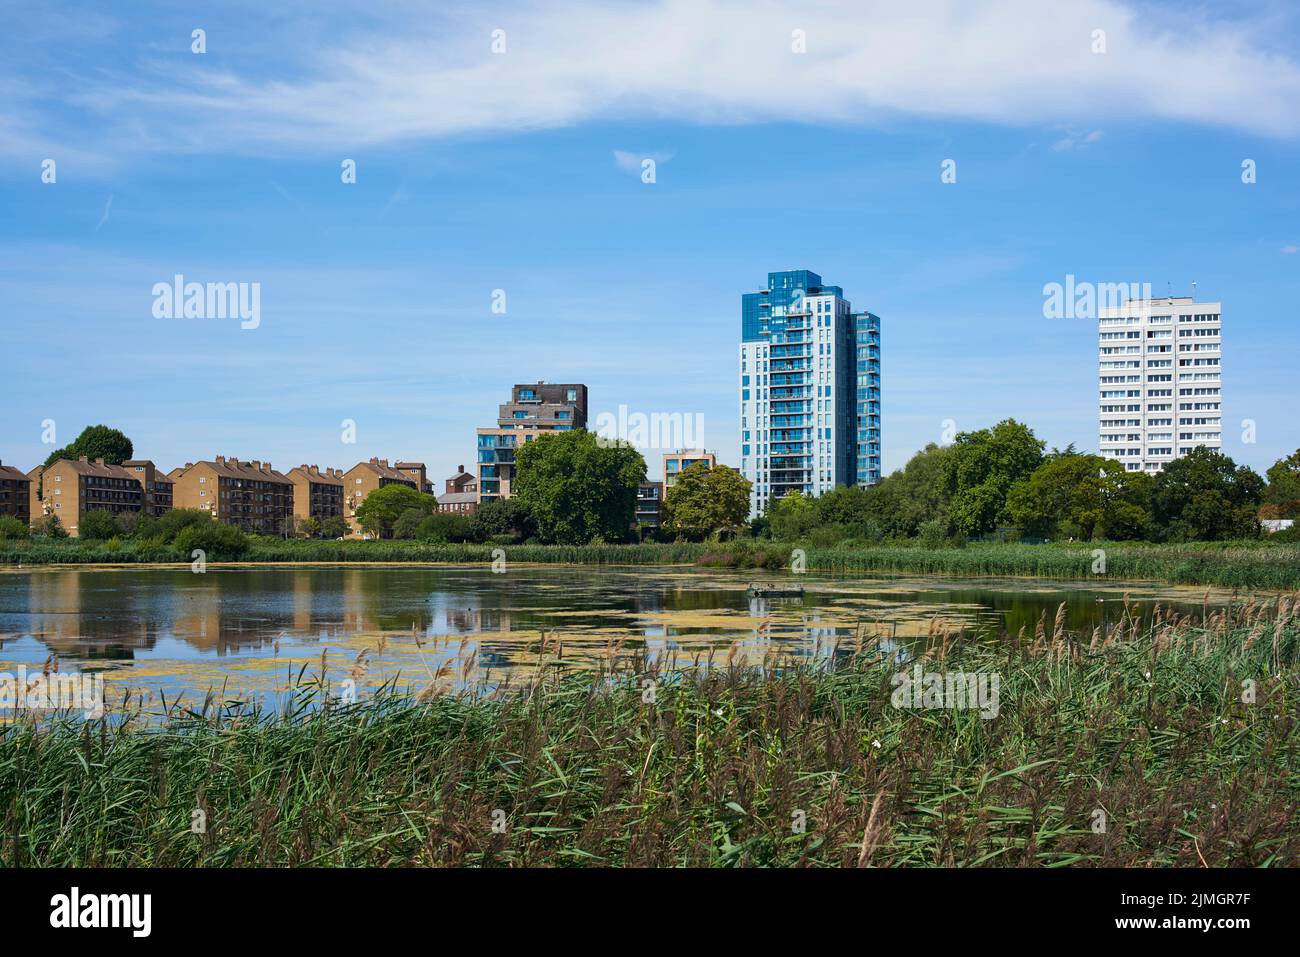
(12,529)
(218,541)
(444,527)
(932,534)
(98,525)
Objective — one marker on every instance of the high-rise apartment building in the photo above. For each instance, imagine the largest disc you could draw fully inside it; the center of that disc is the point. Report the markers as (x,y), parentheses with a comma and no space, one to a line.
(532,410)
(1160,380)
(809,389)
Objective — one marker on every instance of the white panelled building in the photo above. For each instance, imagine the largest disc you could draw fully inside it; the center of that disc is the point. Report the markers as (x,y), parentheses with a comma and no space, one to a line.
(1161,390)
(798,389)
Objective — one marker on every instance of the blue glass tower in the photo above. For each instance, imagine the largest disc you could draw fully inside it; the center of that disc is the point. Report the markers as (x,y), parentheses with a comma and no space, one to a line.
(809,389)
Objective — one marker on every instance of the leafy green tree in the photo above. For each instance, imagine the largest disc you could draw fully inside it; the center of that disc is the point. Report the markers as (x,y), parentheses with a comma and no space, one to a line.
(1083,495)
(704,500)
(1206,496)
(502,518)
(408,523)
(980,469)
(171,523)
(916,494)
(443,527)
(98,524)
(792,516)
(579,488)
(218,541)
(12,529)
(96,442)
(308,527)
(1283,491)
(333,526)
(850,511)
(379,511)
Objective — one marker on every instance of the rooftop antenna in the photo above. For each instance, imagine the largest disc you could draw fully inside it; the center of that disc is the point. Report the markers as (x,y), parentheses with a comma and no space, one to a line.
(1193,290)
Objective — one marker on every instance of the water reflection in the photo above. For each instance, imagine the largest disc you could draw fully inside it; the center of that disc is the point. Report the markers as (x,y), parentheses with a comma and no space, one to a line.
(166,628)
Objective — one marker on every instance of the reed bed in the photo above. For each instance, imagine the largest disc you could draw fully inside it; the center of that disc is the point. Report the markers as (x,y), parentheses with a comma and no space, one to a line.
(731,764)
(1251,565)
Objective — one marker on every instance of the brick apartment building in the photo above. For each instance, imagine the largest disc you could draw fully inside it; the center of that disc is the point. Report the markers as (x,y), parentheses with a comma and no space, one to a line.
(157,485)
(532,410)
(15,494)
(417,472)
(461,494)
(70,489)
(316,494)
(364,478)
(252,496)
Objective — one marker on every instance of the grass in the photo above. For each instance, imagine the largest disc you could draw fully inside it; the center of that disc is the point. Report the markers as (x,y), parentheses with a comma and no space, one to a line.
(1251,564)
(1144,723)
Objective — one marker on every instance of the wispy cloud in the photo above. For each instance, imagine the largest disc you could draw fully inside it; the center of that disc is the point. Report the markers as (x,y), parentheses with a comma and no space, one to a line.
(104,218)
(1074,140)
(630,161)
(1290,249)
(404,77)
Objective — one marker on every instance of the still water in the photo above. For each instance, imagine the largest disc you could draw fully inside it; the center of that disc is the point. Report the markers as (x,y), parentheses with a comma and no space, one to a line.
(257,630)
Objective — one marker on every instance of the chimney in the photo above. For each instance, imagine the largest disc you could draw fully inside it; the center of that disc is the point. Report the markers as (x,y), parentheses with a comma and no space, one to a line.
(99,461)
(460,469)
(83,459)
(220,460)
(257,465)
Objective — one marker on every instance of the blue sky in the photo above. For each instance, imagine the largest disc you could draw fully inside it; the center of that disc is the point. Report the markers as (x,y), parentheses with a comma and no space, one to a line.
(479,171)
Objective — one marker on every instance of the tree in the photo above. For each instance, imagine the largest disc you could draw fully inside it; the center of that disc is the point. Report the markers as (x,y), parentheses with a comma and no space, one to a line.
(96,442)
(380,510)
(98,524)
(308,527)
(49,526)
(792,516)
(704,500)
(1081,495)
(408,523)
(12,529)
(980,469)
(333,526)
(216,540)
(501,518)
(1283,491)
(579,488)
(905,500)
(1206,496)
(443,527)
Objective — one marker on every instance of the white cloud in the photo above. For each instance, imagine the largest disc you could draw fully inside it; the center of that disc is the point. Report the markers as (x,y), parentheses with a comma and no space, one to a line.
(705,61)
(1077,140)
(1291,249)
(630,162)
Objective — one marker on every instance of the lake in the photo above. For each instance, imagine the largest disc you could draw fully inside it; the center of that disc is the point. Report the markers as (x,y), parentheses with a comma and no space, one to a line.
(255,630)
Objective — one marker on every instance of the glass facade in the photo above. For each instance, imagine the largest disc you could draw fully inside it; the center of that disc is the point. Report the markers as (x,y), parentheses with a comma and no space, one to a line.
(809,389)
